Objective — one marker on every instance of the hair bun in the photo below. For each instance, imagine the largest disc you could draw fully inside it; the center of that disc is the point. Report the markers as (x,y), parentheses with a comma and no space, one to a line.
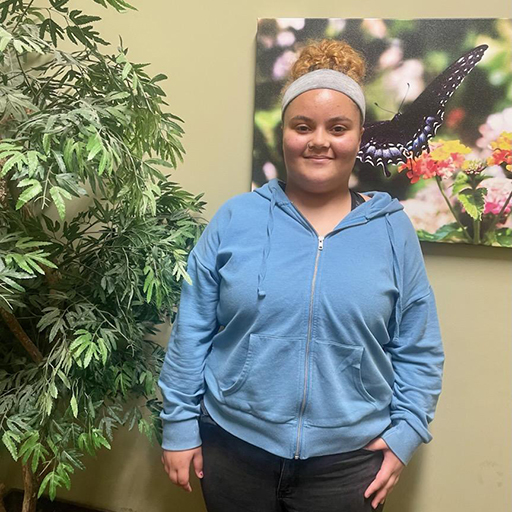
(328,54)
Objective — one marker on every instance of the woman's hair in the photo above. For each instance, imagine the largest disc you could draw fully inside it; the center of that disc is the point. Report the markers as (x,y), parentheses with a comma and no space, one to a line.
(327,54)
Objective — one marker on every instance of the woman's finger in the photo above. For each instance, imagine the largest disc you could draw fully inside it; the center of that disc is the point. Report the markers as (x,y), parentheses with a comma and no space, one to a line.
(183,478)
(380,481)
(381,496)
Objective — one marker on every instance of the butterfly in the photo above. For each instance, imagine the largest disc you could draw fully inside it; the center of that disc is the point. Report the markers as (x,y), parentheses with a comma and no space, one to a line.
(406,135)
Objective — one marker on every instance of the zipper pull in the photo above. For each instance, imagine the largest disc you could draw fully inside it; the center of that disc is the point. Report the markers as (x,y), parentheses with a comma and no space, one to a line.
(320,243)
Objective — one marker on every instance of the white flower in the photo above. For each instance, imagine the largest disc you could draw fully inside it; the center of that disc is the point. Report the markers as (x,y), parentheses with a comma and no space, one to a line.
(411,71)
(494,125)
(269,170)
(285,38)
(335,25)
(296,23)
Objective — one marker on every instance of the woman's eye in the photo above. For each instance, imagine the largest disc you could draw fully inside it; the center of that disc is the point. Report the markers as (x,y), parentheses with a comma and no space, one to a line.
(304,128)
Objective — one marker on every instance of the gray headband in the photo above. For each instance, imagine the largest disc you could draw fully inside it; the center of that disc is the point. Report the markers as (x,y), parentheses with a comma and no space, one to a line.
(326,79)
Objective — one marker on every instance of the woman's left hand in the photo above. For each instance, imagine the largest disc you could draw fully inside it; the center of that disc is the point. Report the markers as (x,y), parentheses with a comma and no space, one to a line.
(388,475)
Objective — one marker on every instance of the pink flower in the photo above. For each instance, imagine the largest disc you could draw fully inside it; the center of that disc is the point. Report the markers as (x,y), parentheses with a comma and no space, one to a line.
(428,209)
(285,38)
(266,41)
(283,64)
(391,57)
(411,71)
(375,26)
(498,189)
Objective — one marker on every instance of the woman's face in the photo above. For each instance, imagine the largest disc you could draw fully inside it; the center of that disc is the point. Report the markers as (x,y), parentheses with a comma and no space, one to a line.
(329,122)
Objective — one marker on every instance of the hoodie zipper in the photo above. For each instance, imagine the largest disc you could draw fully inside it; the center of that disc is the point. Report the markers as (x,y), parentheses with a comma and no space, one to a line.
(319,249)
(303,405)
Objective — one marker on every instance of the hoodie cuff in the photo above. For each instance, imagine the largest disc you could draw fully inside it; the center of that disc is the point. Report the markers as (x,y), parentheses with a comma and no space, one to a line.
(181,435)
(402,440)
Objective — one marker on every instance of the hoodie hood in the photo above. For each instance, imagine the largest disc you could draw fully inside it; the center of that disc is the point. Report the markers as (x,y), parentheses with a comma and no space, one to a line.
(380,205)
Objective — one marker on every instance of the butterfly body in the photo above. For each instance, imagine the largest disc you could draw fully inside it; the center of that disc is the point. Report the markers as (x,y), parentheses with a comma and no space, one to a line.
(407,134)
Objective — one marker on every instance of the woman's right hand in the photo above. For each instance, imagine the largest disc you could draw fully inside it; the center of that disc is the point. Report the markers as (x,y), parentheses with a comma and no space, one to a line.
(177,465)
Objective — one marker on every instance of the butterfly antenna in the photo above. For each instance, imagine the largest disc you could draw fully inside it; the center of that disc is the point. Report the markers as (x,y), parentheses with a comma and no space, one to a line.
(377,105)
(408,86)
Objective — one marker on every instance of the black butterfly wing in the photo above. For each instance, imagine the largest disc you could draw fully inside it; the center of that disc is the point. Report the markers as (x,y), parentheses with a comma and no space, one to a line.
(406,135)
(425,115)
(381,144)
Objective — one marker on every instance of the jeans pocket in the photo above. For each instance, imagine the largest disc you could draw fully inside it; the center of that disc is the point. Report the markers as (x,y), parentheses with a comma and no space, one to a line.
(370,451)
(204,415)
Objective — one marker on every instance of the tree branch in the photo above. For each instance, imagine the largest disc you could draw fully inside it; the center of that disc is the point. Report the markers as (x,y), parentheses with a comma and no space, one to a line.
(21,335)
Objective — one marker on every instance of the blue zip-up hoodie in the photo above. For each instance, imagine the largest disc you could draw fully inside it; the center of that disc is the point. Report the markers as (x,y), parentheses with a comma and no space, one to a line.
(305,345)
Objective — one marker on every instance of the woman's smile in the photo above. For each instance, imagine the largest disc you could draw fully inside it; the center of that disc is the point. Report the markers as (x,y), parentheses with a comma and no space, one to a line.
(318,159)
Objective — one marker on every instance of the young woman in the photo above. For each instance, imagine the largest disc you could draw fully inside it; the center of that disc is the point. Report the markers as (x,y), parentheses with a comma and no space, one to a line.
(305,363)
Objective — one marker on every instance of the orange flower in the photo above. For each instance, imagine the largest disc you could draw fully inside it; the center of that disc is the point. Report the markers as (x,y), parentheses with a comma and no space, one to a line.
(423,167)
(455,117)
(445,158)
(502,151)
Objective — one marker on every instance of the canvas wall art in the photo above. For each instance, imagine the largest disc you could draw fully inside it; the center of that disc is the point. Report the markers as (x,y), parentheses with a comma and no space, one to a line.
(438,128)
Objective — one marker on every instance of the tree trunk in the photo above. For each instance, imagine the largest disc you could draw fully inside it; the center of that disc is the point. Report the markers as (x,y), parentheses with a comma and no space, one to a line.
(3,492)
(30,488)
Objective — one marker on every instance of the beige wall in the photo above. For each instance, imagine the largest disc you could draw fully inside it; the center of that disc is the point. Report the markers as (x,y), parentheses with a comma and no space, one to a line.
(208,49)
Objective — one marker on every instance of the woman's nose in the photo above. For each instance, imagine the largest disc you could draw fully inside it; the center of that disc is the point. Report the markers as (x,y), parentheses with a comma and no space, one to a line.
(319,139)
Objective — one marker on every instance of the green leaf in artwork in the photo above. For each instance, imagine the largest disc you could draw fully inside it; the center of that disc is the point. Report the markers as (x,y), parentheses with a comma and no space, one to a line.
(445,232)
(473,201)
(504,237)
(461,183)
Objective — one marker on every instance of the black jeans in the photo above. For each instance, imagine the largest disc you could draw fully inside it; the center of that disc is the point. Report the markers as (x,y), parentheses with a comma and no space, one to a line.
(240,477)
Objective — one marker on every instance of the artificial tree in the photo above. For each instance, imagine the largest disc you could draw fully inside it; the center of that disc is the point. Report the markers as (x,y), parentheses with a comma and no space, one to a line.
(82,293)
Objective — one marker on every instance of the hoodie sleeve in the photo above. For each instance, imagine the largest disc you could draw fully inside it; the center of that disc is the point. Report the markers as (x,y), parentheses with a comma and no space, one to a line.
(416,351)
(182,376)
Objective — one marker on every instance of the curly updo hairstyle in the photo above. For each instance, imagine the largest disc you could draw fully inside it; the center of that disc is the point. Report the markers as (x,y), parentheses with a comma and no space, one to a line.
(327,54)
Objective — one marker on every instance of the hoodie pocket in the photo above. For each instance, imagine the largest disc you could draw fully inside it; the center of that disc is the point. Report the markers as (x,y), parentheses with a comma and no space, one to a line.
(268,383)
(337,393)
